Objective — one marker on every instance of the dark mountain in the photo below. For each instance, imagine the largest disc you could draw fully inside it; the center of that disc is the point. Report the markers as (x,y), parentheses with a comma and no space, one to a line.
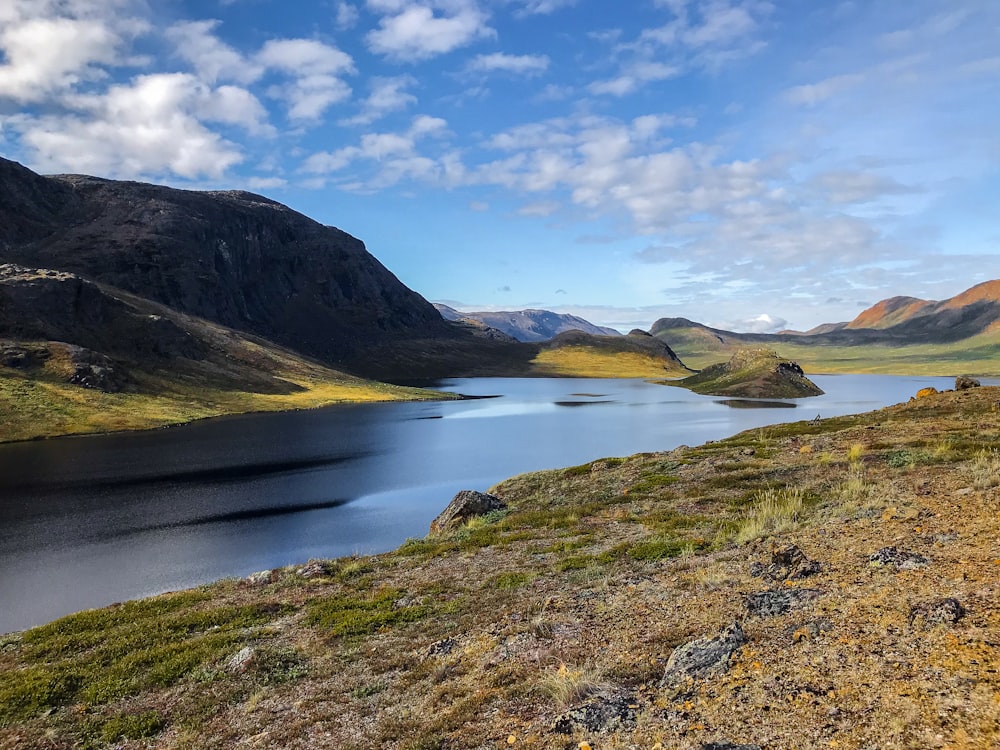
(233,258)
(528,325)
(241,261)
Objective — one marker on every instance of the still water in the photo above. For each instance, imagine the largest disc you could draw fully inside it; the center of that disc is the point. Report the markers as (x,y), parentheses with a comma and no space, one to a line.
(88,521)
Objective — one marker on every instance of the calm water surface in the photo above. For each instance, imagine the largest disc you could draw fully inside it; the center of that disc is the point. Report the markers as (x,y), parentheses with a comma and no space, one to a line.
(92,520)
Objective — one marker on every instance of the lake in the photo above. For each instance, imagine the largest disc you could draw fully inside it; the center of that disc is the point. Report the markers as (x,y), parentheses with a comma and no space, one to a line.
(86,521)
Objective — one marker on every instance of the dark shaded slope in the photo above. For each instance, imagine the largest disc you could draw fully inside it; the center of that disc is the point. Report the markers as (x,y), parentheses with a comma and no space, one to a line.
(234,258)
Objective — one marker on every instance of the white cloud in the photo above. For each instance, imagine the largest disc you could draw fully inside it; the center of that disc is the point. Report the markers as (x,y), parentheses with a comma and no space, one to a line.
(316,69)
(814,93)
(763,323)
(633,78)
(212,59)
(542,7)
(347,15)
(387,95)
(542,208)
(149,127)
(394,154)
(845,186)
(519,64)
(47,55)
(414,30)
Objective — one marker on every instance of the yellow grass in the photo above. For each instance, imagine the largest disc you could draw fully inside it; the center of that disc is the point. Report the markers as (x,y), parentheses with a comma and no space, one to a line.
(33,408)
(587,362)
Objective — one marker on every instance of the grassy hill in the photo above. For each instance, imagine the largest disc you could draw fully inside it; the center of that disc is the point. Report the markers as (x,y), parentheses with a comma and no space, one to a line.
(857,555)
(578,354)
(752,372)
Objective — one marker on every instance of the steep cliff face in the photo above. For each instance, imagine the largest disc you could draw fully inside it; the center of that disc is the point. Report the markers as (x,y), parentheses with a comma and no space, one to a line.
(234,258)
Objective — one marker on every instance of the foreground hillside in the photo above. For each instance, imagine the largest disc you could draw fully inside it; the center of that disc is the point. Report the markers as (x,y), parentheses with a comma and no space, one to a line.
(823,584)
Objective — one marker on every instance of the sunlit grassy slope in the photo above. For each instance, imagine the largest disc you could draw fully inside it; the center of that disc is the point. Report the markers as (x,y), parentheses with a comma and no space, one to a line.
(41,403)
(590,362)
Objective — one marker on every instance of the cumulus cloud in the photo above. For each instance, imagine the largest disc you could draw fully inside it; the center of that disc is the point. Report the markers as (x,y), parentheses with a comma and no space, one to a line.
(394,155)
(387,95)
(315,69)
(212,59)
(413,30)
(346,16)
(44,55)
(149,127)
(518,64)
(763,323)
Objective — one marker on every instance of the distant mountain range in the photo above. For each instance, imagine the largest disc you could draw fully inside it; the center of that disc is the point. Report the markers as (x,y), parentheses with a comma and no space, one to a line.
(527,325)
(899,334)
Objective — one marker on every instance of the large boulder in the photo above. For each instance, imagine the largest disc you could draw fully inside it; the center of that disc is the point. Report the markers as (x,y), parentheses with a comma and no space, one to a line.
(465,505)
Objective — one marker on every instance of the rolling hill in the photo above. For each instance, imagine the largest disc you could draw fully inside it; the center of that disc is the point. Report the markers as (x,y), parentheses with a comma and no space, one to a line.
(897,335)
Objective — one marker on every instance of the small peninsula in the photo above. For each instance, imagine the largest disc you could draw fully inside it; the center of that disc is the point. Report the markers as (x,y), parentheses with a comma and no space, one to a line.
(752,372)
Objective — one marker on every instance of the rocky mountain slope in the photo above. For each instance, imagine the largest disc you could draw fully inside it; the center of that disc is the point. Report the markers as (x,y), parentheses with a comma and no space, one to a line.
(528,325)
(233,258)
(814,585)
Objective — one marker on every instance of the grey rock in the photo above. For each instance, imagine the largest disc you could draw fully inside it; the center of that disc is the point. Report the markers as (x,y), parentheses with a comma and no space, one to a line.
(260,578)
(704,657)
(313,569)
(605,712)
(465,505)
(728,746)
(787,564)
(241,660)
(779,601)
(947,610)
(441,648)
(897,558)
(964,383)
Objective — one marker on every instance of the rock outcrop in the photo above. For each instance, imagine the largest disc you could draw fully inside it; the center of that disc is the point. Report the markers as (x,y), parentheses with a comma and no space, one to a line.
(753,373)
(465,505)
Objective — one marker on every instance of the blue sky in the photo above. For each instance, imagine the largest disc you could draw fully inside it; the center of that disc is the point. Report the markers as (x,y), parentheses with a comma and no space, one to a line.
(751,164)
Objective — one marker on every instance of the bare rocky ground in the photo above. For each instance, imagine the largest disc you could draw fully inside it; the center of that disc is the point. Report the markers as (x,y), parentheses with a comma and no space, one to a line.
(827,584)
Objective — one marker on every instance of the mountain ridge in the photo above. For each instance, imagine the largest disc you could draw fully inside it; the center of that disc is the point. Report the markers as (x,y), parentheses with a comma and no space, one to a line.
(530,325)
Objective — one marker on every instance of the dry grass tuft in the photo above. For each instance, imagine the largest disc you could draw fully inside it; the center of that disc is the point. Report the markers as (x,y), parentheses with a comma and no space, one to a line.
(773,511)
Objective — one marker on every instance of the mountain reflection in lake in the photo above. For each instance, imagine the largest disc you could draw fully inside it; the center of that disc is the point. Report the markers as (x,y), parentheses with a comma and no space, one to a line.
(753,403)
(92,520)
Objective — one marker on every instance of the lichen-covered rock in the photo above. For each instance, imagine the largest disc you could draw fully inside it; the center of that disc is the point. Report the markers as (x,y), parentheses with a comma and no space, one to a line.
(465,505)
(928,391)
(241,660)
(604,712)
(937,611)
(778,601)
(260,578)
(787,564)
(898,558)
(704,657)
